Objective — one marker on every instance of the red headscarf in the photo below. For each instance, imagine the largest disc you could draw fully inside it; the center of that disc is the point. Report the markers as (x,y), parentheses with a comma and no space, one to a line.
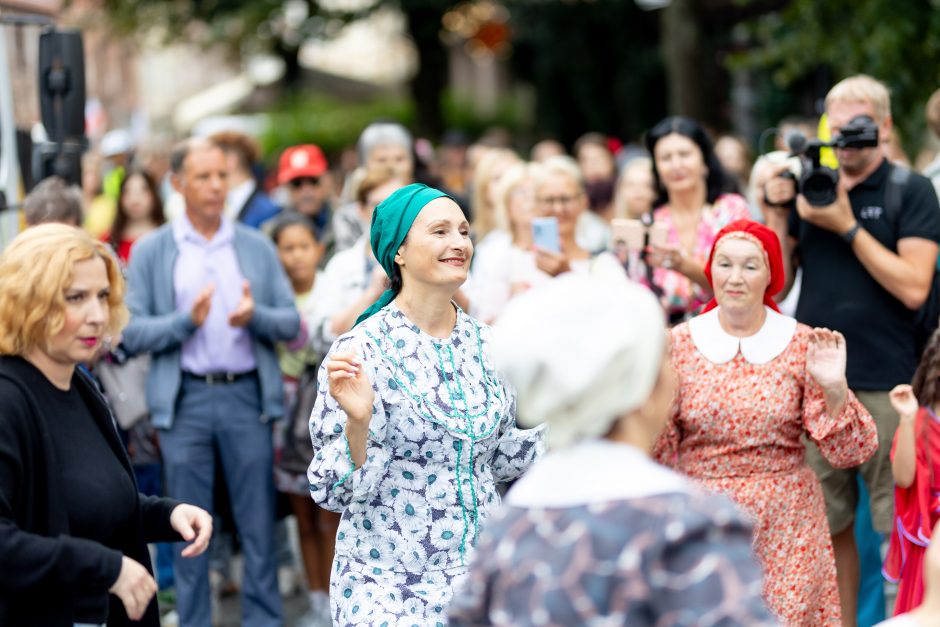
(771,245)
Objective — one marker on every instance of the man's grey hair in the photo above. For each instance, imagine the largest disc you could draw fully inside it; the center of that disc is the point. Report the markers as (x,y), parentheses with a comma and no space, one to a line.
(183,148)
(382,134)
(53,200)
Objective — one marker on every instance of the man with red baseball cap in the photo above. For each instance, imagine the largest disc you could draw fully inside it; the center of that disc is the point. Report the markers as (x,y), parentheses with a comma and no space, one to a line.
(301,170)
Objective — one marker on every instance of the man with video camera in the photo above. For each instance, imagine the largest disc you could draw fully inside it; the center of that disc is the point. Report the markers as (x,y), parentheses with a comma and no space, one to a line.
(867,243)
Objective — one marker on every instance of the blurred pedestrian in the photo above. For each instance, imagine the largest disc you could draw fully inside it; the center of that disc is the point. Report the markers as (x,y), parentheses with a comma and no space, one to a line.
(751,383)
(927,614)
(208,298)
(295,237)
(53,200)
(636,190)
(73,527)
(245,202)
(493,272)
(417,428)
(578,542)
(560,197)
(353,279)
(693,205)
(915,454)
(139,211)
(301,170)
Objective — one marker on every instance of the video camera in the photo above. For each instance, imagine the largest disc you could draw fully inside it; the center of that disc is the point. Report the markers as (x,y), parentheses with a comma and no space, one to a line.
(819,183)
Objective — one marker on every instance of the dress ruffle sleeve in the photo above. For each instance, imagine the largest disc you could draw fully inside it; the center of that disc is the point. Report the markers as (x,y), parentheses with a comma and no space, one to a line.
(334,480)
(517,448)
(846,440)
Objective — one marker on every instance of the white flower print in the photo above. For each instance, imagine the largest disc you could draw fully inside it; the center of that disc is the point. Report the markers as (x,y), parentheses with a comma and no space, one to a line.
(402,521)
(414,556)
(408,475)
(446,533)
(412,514)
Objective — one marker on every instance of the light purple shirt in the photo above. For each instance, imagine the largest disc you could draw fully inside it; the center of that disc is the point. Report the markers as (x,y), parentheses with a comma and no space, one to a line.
(216,346)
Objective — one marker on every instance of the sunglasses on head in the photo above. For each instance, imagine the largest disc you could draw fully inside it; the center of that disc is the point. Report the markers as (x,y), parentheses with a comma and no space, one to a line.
(300,181)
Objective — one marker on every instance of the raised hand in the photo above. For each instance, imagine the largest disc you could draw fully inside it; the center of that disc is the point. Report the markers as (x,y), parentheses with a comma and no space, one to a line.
(202,304)
(825,358)
(350,386)
(245,310)
(194,525)
(134,587)
(904,402)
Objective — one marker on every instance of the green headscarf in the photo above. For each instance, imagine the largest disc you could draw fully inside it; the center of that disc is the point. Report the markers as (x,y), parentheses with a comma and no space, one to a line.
(391,221)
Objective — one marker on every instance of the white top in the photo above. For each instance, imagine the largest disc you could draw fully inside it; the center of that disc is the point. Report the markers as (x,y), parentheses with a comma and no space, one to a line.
(237,197)
(593,471)
(503,266)
(720,347)
(337,287)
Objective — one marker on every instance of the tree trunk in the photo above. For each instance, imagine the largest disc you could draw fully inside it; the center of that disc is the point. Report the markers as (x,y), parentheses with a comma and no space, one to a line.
(682,46)
(424,25)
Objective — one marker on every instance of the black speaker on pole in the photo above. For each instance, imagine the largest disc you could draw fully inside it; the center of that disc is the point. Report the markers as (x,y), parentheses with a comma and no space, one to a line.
(62,105)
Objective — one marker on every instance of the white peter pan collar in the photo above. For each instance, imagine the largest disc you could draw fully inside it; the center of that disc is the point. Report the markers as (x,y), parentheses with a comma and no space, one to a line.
(719,347)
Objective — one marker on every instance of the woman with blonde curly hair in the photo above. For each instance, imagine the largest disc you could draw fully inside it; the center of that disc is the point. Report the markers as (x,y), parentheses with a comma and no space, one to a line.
(73,528)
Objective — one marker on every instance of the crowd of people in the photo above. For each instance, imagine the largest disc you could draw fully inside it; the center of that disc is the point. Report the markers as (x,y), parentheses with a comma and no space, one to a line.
(691,381)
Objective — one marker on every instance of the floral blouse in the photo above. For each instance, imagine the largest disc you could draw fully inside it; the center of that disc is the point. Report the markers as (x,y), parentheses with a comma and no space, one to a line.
(442,436)
(679,293)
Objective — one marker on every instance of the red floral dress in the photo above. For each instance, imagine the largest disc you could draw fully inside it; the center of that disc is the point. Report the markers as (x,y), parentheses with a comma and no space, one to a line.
(737,428)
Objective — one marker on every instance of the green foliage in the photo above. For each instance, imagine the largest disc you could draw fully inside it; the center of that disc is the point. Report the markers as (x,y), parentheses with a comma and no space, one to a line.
(509,114)
(239,24)
(897,42)
(327,122)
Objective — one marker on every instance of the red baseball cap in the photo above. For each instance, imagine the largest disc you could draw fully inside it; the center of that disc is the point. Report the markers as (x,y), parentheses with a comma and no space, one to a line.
(300,161)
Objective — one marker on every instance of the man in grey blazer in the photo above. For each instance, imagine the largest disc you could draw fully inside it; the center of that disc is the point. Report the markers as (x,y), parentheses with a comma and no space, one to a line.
(208,299)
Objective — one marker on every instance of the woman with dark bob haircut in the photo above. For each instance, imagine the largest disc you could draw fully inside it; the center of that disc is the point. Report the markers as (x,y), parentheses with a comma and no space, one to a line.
(693,205)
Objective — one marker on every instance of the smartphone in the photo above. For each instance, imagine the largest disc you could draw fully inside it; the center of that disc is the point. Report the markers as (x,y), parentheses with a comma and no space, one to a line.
(628,233)
(659,233)
(545,234)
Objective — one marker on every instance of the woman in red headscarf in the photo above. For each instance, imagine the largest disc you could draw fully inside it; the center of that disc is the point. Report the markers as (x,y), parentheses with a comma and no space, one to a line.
(751,383)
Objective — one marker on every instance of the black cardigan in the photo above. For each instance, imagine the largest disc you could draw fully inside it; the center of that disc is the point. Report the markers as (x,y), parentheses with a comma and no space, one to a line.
(43,569)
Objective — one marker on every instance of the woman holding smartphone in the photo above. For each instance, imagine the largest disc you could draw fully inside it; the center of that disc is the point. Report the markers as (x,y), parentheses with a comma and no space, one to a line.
(417,428)
(560,200)
(692,206)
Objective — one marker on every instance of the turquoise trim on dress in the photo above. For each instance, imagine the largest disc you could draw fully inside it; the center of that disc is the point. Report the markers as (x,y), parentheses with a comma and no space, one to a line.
(424,410)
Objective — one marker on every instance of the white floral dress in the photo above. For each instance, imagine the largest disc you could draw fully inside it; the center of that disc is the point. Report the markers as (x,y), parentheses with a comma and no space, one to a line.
(442,436)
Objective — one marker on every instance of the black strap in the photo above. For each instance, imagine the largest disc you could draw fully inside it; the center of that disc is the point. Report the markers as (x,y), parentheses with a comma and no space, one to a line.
(894,194)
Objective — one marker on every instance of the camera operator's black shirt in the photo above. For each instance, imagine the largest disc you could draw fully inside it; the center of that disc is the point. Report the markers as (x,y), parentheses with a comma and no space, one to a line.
(838,292)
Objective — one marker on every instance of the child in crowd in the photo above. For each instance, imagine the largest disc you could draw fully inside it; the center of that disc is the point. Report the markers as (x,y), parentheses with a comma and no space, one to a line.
(299,250)
(914,462)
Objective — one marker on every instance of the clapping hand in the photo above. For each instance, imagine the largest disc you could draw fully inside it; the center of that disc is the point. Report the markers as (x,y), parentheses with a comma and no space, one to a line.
(904,402)
(245,310)
(202,304)
(350,386)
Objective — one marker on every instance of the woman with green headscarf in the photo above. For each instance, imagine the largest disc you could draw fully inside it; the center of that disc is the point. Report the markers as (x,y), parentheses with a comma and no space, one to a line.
(417,429)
